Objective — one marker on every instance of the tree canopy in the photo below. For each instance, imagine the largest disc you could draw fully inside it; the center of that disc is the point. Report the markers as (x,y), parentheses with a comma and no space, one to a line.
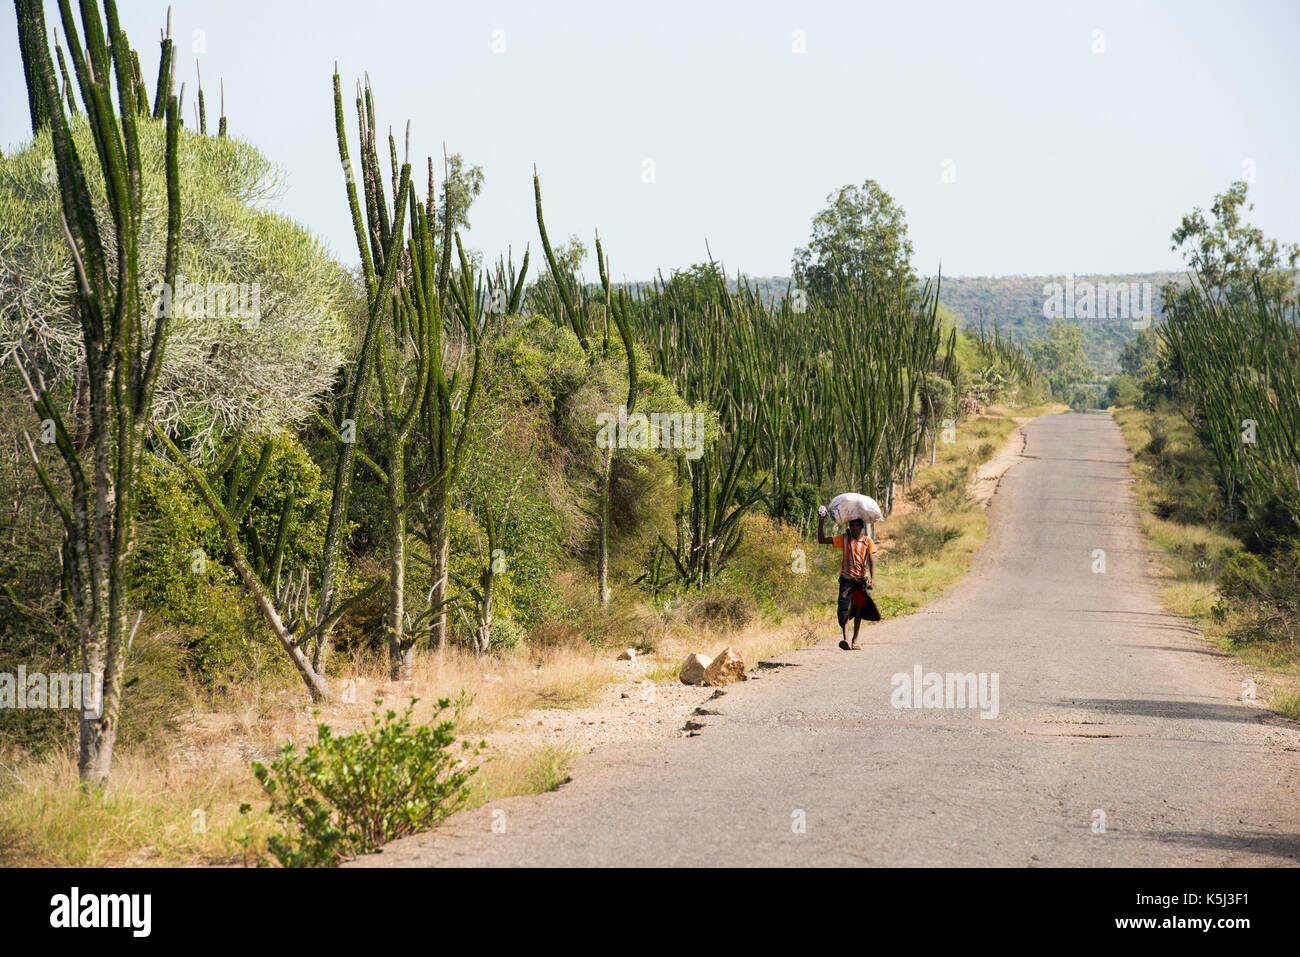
(1059,357)
(859,237)
(224,368)
(1228,254)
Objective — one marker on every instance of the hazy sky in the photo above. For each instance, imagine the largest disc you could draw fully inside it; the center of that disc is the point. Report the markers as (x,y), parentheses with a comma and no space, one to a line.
(1064,159)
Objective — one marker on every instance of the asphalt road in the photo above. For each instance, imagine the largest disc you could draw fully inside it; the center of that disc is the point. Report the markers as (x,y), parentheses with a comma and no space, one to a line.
(1121,738)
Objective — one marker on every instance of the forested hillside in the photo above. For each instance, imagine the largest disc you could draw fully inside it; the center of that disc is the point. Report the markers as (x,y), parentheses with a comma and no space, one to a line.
(1016,303)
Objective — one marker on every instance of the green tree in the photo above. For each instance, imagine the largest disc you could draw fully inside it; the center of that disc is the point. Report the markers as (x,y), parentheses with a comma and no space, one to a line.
(259,331)
(1122,390)
(1060,358)
(460,188)
(1228,255)
(860,237)
(1140,355)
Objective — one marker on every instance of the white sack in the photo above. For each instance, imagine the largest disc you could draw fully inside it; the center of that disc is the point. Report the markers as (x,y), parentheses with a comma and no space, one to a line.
(845,508)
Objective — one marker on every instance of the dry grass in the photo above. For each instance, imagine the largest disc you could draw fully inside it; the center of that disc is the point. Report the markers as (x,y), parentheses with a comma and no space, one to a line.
(152,813)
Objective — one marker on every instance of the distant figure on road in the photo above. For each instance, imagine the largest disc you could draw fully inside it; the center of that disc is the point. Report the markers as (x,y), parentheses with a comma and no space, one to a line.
(857,575)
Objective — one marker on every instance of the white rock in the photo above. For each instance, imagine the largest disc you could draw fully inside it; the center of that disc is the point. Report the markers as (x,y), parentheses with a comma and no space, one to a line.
(693,669)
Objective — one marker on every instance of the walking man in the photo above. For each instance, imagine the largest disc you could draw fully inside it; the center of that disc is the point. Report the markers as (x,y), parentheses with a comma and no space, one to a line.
(857,575)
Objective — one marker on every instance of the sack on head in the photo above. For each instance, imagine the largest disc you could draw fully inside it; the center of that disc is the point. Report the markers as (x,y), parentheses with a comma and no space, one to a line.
(845,508)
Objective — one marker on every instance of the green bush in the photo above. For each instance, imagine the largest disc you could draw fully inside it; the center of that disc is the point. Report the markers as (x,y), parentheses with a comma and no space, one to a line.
(1267,589)
(947,490)
(179,567)
(1122,390)
(218,374)
(919,538)
(177,570)
(351,794)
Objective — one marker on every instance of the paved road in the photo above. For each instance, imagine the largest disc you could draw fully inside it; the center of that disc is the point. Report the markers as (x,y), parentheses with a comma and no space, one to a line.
(1106,706)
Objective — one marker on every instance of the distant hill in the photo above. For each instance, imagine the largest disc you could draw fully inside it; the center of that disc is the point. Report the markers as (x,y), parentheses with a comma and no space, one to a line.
(1017,304)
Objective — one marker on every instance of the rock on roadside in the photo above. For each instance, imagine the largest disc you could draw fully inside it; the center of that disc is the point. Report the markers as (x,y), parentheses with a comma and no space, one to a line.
(694,668)
(725,669)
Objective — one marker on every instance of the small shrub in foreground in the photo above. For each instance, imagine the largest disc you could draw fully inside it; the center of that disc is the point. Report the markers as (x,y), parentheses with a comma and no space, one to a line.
(350,795)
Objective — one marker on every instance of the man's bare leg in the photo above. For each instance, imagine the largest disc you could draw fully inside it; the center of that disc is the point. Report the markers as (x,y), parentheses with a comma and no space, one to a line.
(857,623)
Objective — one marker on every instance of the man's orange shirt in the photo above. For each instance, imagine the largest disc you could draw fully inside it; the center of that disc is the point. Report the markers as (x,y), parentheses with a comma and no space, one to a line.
(855,552)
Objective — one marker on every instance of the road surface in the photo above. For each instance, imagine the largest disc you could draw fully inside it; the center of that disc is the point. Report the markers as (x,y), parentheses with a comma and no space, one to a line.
(1120,736)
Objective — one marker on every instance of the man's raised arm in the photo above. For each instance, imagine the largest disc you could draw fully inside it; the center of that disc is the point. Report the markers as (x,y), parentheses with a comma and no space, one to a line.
(822,537)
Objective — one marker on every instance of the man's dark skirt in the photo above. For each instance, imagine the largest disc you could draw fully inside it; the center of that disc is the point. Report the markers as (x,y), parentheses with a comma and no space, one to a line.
(855,601)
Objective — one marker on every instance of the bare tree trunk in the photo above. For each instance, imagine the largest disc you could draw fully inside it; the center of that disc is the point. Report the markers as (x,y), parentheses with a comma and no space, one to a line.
(98,731)
(438,559)
(484,637)
(399,657)
(602,559)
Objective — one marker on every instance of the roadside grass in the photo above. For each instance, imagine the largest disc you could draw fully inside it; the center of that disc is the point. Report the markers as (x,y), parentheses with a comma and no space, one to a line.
(174,798)
(149,815)
(520,771)
(1172,481)
(1286,703)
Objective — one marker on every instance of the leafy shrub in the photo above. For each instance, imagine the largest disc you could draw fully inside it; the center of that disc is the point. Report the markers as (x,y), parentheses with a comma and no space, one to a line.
(176,568)
(1274,580)
(506,634)
(919,538)
(720,607)
(351,794)
(772,566)
(947,490)
(179,567)
(1268,590)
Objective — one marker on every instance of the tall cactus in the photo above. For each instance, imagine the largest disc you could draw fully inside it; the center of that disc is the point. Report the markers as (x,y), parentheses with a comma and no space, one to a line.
(403,339)
(568,304)
(103,445)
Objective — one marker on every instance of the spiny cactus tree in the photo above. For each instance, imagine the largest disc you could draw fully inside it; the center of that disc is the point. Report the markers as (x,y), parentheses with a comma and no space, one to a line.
(810,394)
(417,415)
(1240,361)
(566,301)
(443,431)
(102,443)
(615,308)
(403,309)
(449,402)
